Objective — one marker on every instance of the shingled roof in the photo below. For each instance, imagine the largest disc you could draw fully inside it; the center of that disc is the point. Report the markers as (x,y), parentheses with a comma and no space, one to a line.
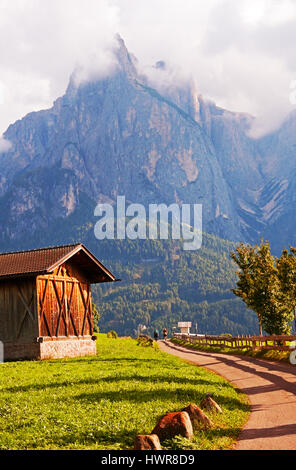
(45,260)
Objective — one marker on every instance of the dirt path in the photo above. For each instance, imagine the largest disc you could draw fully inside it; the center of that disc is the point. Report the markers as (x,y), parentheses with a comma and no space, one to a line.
(271,388)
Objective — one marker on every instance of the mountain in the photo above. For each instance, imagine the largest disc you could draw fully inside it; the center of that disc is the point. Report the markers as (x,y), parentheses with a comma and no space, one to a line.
(119,135)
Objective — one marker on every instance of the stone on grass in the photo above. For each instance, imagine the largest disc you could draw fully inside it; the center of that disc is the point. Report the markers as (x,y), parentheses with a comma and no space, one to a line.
(174,424)
(147,442)
(198,416)
(209,404)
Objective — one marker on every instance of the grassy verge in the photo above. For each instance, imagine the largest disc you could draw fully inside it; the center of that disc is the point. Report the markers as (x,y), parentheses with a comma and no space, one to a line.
(268,354)
(102,402)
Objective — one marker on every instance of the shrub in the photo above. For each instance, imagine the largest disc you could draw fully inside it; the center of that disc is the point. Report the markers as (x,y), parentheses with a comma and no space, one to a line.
(112,334)
(144,340)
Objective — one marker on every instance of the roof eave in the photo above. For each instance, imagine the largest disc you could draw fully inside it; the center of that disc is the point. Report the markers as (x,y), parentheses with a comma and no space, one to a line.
(22,275)
(90,255)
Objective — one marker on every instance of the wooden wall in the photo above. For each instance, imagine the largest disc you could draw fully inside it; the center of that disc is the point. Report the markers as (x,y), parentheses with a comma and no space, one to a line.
(64,303)
(18,311)
(55,305)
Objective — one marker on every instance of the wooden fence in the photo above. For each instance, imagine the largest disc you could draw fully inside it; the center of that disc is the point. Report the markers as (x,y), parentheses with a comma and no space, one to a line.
(279,343)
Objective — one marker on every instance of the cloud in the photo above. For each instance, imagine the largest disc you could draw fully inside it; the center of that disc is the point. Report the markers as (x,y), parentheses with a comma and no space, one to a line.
(255,59)
(5,145)
(43,41)
(240,54)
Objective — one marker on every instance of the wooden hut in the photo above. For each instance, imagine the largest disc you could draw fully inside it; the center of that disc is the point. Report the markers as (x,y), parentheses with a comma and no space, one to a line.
(45,302)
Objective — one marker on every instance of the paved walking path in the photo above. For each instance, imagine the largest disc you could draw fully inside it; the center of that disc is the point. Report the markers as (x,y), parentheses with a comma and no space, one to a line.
(271,388)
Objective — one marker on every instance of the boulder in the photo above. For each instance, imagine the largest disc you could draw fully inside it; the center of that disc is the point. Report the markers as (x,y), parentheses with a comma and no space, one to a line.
(209,404)
(174,424)
(147,442)
(198,416)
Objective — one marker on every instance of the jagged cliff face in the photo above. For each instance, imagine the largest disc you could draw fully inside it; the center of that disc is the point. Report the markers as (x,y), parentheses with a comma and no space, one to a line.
(118,136)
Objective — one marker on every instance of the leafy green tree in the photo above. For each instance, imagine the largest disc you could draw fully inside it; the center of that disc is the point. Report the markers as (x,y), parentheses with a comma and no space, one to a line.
(260,287)
(286,266)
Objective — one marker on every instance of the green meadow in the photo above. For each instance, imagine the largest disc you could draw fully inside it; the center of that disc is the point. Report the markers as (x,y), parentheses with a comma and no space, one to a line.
(101,402)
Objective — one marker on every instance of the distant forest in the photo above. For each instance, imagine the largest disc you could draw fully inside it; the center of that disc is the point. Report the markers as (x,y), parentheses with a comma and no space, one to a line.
(162,284)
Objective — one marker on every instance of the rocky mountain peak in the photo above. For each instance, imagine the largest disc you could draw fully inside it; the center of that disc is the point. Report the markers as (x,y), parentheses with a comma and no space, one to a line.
(126,61)
(119,135)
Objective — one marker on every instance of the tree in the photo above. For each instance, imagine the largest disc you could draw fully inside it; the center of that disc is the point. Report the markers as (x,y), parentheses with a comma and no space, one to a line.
(260,287)
(96,317)
(286,266)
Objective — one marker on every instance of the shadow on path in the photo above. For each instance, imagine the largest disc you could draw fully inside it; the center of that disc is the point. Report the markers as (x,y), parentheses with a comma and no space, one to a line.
(266,370)
(272,423)
(287,429)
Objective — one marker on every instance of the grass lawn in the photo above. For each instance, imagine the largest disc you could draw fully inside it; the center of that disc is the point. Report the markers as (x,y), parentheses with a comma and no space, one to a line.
(101,402)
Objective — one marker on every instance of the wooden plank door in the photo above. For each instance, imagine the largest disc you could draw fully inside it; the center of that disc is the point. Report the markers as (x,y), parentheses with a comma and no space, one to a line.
(64,307)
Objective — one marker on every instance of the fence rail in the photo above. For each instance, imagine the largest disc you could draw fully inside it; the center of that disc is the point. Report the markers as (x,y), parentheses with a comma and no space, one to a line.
(279,343)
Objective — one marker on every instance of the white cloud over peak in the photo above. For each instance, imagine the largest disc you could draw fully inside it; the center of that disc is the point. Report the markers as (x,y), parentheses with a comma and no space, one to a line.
(241,53)
(5,145)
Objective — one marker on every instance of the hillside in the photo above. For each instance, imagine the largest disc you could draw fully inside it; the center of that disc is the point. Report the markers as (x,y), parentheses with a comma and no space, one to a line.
(162,284)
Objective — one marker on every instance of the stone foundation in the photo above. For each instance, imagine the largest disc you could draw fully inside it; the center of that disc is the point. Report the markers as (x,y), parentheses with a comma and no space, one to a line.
(67,348)
(51,349)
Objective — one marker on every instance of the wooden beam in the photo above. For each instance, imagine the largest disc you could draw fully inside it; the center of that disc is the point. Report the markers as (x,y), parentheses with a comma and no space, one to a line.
(27,310)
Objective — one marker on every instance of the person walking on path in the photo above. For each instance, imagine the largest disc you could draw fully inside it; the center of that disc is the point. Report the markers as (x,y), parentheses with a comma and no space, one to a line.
(165,333)
(156,334)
